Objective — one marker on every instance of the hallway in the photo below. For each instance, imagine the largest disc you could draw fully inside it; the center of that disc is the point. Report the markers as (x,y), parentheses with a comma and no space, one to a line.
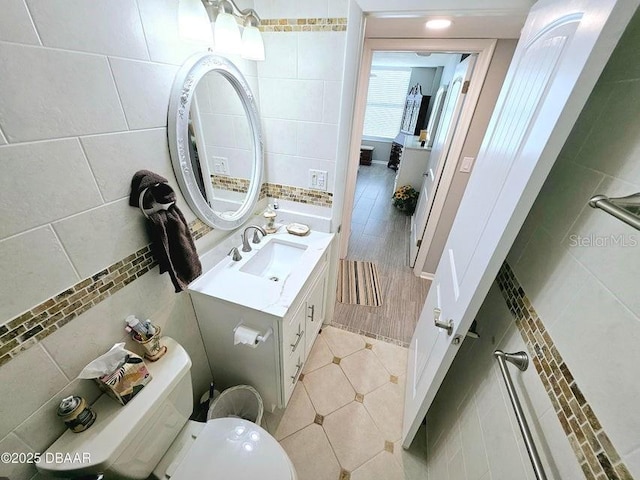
(380,234)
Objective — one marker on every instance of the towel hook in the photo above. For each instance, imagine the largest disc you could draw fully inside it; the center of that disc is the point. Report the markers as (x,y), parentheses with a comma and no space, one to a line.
(155,206)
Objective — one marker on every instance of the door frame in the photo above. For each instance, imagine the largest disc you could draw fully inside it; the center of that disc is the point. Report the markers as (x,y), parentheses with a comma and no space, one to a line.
(483,47)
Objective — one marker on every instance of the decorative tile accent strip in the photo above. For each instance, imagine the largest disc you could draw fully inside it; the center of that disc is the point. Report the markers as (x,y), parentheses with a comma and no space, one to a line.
(370,335)
(297,194)
(598,458)
(235,184)
(275,190)
(303,25)
(26,330)
(199,229)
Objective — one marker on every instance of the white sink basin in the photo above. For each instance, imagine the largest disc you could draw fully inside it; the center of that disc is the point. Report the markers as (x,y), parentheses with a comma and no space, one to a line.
(275,260)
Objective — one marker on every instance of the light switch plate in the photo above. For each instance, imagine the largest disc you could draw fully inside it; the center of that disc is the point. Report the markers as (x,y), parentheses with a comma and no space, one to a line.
(467,164)
(220,165)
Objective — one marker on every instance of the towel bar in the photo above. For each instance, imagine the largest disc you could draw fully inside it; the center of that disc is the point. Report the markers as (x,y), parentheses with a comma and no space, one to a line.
(626,209)
(520,360)
(155,206)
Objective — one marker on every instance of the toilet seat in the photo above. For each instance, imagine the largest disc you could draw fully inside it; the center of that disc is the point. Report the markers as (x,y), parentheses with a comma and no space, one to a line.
(235,448)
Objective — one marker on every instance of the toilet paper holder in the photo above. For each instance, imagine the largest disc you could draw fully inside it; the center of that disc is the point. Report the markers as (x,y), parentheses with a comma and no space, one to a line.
(261,338)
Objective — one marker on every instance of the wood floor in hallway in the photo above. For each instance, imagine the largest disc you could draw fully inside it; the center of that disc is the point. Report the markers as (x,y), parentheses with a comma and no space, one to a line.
(380,234)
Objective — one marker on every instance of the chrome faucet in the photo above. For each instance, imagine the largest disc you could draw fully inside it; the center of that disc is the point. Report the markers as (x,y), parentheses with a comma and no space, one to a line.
(236,254)
(256,238)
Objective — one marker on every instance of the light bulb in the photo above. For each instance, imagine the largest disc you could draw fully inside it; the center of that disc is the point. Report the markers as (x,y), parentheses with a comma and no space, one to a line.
(193,22)
(252,44)
(227,34)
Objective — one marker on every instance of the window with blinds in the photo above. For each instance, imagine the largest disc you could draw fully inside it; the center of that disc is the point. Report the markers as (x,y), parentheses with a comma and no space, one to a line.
(385,102)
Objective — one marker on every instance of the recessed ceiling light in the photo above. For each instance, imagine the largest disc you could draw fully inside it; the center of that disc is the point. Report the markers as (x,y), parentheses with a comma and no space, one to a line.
(438,24)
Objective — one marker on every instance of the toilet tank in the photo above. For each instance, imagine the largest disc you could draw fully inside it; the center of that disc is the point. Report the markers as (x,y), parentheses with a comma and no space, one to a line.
(128,441)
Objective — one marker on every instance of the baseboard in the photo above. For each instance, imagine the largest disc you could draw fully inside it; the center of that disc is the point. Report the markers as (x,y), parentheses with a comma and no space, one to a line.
(379,162)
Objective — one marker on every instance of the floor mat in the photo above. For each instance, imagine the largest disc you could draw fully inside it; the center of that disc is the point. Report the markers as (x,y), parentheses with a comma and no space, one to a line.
(358,283)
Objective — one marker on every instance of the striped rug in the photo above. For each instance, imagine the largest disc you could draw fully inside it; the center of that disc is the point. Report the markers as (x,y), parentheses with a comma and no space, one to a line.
(358,283)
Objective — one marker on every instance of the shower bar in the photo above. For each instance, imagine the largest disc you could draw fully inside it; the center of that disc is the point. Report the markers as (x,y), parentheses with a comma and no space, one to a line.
(625,209)
(520,360)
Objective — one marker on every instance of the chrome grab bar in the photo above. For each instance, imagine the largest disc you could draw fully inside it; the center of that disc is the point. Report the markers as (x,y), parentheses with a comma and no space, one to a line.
(520,360)
(625,209)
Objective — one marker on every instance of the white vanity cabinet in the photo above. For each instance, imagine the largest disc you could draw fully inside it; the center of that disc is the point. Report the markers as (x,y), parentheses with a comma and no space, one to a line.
(300,329)
(414,163)
(289,314)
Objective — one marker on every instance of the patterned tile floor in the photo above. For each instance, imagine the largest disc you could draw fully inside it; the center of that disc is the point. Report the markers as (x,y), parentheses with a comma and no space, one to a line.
(344,418)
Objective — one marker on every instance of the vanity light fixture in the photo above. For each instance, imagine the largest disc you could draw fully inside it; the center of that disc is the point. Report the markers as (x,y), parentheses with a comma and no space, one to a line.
(438,24)
(224,15)
(193,24)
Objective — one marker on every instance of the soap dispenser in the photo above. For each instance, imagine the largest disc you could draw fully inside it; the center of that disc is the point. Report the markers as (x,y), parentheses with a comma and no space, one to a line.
(270,217)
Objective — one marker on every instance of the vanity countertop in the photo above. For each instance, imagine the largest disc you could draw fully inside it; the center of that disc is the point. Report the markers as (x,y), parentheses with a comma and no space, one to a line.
(227,282)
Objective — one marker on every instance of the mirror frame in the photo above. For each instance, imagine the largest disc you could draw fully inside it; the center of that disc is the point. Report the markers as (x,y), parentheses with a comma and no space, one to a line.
(184,86)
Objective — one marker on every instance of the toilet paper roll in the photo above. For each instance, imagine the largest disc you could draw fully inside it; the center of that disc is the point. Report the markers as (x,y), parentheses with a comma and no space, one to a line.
(246,336)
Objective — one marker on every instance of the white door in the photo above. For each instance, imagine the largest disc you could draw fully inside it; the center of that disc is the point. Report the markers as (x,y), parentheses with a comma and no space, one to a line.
(562,50)
(453,103)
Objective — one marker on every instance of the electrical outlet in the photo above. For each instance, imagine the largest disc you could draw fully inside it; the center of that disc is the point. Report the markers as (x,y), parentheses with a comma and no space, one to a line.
(220,165)
(318,180)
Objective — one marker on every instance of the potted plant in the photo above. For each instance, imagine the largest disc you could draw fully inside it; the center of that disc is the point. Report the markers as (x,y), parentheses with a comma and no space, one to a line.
(405,199)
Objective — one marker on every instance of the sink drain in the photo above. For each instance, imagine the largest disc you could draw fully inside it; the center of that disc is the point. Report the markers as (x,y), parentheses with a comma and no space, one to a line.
(274,279)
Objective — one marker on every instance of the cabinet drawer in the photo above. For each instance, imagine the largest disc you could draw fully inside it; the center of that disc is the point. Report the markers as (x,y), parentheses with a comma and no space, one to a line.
(292,331)
(315,311)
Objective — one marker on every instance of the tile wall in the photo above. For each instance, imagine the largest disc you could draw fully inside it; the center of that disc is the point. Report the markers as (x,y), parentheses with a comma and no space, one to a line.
(300,87)
(83,106)
(578,269)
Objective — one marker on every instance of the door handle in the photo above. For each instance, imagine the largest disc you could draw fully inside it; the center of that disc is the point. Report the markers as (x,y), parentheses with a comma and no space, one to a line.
(313,312)
(425,174)
(444,324)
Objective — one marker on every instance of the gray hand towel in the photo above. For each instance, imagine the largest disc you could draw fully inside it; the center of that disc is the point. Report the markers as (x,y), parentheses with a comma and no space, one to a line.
(171,241)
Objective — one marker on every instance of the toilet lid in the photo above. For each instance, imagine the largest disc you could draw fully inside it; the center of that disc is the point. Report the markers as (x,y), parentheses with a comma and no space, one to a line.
(234,448)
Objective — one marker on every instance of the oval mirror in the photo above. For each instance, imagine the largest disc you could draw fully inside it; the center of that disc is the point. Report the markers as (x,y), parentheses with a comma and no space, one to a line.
(215,140)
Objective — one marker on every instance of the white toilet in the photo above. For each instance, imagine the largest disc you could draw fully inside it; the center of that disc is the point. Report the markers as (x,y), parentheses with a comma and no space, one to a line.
(152,435)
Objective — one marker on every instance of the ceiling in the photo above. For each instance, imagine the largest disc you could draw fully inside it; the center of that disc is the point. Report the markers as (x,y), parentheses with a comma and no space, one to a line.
(444,6)
(471,18)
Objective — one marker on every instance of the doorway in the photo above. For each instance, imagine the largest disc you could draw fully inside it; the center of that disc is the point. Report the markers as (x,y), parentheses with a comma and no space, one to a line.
(374,230)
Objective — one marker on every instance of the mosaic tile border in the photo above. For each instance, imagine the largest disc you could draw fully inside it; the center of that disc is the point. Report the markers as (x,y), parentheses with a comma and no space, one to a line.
(199,229)
(297,194)
(234,184)
(275,190)
(303,25)
(27,329)
(596,454)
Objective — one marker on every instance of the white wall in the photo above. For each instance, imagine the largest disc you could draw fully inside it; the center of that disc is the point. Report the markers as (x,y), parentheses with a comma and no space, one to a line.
(300,86)
(381,149)
(425,77)
(83,105)
(586,297)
